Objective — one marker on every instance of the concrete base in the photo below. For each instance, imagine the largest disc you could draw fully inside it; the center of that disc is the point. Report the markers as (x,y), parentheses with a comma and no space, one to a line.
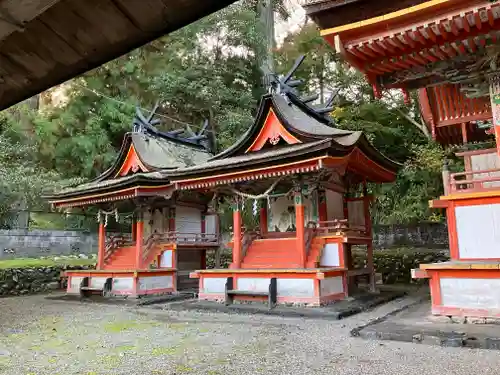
(335,311)
(123,300)
(415,324)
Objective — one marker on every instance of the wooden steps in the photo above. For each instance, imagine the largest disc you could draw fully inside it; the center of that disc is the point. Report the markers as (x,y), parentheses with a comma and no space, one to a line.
(87,291)
(271,253)
(279,253)
(271,294)
(122,258)
(314,256)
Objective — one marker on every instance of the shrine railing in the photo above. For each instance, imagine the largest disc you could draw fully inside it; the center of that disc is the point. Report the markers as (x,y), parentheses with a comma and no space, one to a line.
(116,241)
(247,237)
(310,233)
(340,227)
(473,181)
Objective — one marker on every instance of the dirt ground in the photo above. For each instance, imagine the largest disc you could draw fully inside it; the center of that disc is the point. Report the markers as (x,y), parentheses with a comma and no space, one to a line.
(40,336)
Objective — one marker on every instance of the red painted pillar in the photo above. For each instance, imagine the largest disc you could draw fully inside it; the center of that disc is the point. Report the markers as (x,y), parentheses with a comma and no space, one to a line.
(236,237)
(134,234)
(139,240)
(300,225)
(322,208)
(263,220)
(101,247)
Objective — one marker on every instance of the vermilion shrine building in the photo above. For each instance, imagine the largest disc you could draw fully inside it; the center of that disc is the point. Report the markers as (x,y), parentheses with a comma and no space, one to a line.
(305,181)
(449,51)
(171,230)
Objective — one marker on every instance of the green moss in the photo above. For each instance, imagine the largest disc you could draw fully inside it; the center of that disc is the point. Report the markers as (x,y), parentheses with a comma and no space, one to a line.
(32,262)
(117,327)
(182,369)
(164,351)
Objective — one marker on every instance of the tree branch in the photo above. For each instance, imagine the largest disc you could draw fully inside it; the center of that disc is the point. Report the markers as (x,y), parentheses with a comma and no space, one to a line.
(419,125)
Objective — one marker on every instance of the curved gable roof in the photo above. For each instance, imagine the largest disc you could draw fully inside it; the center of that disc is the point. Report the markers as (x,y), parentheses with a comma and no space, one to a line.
(305,125)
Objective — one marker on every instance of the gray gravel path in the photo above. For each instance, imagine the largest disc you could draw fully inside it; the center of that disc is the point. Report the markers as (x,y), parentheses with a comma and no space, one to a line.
(39,336)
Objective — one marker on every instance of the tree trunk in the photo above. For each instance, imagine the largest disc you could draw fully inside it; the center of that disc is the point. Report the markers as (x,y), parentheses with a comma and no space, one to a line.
(266,12)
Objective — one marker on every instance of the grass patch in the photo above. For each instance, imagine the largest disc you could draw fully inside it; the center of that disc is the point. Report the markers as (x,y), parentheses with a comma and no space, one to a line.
(164,351)
(33,262)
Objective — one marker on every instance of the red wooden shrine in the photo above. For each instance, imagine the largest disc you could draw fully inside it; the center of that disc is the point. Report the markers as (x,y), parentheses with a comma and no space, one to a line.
(448,50)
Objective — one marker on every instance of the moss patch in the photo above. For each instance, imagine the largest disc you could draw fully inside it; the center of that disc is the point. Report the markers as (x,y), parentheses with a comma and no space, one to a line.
(33,262)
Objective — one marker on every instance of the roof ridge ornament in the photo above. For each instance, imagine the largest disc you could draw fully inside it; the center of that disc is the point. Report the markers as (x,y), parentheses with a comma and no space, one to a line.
(286,86)
(147,125)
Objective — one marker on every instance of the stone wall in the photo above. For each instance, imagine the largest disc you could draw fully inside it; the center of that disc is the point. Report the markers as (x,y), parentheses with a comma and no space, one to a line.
(428,235)
(30,280)
(20,243)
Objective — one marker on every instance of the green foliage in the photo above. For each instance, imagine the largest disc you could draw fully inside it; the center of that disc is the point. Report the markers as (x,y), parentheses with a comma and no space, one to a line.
(22,178)
(211,70)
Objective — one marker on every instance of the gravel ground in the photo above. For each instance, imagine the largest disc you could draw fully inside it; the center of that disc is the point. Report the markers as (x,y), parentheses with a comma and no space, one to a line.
(39,336)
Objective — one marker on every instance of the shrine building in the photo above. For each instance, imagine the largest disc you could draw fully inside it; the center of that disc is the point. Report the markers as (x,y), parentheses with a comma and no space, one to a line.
(304,181)
(171,230)
(448,51)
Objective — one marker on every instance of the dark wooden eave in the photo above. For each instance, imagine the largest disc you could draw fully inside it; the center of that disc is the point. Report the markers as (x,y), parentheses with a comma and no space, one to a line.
(46,42)
(333,13)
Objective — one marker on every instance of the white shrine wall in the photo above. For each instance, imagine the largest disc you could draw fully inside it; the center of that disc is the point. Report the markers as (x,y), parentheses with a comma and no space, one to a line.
(478,231)
(281,214)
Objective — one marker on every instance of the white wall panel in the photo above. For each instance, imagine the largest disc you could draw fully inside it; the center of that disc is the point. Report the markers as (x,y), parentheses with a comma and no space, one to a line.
(216,285)
(155,282)
(253,284)
(166,259)
(478,231)
(295,287)
(331,285)
(97,282)
(74,284)
(210,224)
(123,283)
(187,220)
(330,256)
(470,293)
(484,162)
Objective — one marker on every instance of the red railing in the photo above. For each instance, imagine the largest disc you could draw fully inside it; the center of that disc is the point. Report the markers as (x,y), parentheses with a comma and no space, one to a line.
(310,233)
(466,182)
(340,227)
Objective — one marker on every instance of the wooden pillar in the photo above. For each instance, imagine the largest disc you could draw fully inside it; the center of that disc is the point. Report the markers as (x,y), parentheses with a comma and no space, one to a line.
(263,218)
(237,243)
(300,225)
(134,228)
(101,247)
(495,107)
(203,260)
(171,219)
(322,207)
(139,239)
(446,178)
(369,247)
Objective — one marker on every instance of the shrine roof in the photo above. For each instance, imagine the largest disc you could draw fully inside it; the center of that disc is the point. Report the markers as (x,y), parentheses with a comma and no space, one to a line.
(144,152)
(297,118)
(287,129)
(97,185)
(246,160)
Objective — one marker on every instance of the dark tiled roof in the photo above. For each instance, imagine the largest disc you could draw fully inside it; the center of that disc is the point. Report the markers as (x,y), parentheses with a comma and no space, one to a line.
(280,153)
(109,183)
